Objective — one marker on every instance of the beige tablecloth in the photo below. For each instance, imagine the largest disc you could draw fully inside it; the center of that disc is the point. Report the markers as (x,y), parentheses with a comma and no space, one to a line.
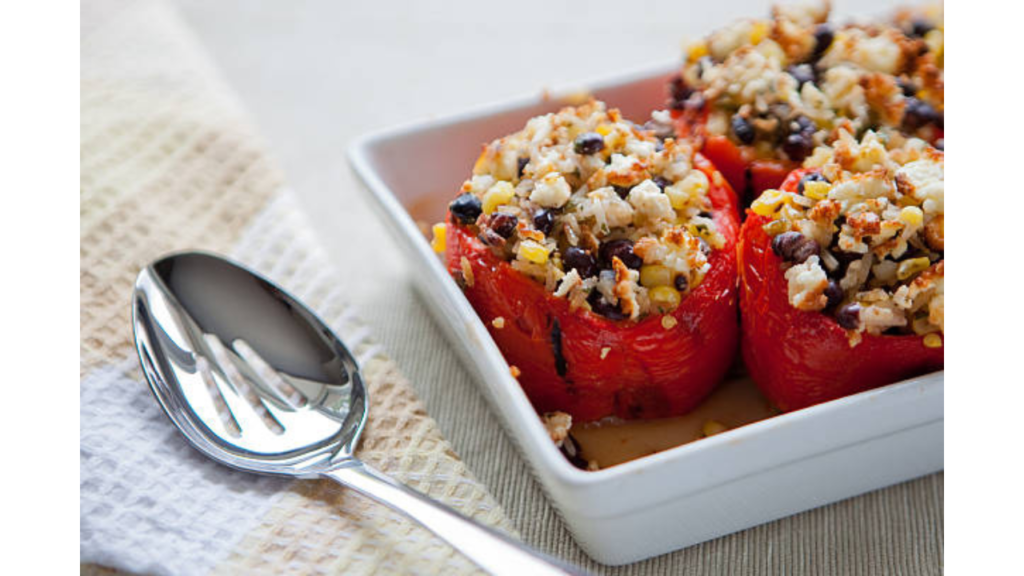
(314,76)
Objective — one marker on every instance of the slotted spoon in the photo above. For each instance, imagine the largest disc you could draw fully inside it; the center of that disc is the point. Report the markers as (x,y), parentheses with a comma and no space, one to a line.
(255,381)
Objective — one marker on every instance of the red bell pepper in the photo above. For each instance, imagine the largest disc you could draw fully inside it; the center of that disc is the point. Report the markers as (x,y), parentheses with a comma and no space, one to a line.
(799,358)
(592,367)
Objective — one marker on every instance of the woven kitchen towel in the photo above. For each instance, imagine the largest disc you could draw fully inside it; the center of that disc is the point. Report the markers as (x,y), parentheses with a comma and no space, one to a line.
(168,162)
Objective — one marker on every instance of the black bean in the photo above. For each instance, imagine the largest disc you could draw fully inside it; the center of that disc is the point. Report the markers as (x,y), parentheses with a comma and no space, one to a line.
(920,27)
(823,36)
(918,113)
(544,221)
(600,306)
(504,224)
(834,293)
(579,260)
(662,182)
(794,247)
(572,452)
(678,92)
(803,73)
(849,316)
(466,208)
(743,129)
(805,251)
(588,143)
(798,146)
(622,191)
(521,165)
(681,284)
(809,177)
(802,124)
(621,249)
(907,87)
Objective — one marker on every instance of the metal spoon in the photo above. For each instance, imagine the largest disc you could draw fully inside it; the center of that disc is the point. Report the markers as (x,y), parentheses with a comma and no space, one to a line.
(256,381)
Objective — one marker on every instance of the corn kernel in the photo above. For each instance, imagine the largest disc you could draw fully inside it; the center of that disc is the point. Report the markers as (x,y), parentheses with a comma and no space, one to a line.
(603,129)
(933,340)
(705,233)
(912,266)
(668,322)
(912,215)
(498,194)
(759,32)
(817,190)
(665,298)
(712,427)
(769,202)
(438,243)
(652,275)
(533,252)
(697,50)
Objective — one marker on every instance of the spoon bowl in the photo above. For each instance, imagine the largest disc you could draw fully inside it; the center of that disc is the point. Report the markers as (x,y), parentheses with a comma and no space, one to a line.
(255,380)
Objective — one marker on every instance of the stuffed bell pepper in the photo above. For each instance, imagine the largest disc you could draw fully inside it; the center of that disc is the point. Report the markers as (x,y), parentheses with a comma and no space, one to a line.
(602,260)
(760,95)
(841,272)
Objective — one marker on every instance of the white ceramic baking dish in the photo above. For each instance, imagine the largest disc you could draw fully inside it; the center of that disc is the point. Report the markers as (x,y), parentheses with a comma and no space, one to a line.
(684,495)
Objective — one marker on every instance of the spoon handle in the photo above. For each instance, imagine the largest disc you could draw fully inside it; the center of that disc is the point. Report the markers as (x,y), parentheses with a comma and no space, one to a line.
(488,549)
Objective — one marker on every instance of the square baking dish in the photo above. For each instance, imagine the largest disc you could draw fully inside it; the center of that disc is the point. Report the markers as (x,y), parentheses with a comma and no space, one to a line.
(682,496)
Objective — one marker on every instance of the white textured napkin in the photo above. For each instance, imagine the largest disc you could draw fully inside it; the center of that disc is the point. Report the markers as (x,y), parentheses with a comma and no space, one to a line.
(149,501)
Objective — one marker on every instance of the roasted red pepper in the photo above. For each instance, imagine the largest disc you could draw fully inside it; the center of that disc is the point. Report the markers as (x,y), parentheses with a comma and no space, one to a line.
(799,358)
(590,366)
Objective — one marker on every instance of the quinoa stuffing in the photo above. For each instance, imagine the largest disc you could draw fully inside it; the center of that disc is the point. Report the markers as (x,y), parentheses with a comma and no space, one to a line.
(862,237)
(609,215)
(786,85)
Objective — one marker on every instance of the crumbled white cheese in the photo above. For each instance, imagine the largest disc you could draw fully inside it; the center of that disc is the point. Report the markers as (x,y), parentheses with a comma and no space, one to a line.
(807,283)
(651,202)
(551,191)
(927,182)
